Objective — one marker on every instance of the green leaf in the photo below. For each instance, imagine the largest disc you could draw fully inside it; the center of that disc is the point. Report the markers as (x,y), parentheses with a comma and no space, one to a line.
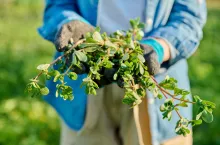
(110,44)
(209,104)
(91,49)
(118,32)
(207,116)
(88,44)
(72,75)
(196,122)
(167,114)
(169,83)
(65,92)
(162,108)
(98,29)
(48,77)
(125,56)
(141,58)
(141,25)
(159,96)
(132,23)
(115,76)
(91,40)
(182,131)
(178,91)
(92,91)
(95,85)
(93,70)
(128,100)
(43,66)
(131,44)
(183,104)
(54,73)
(107,63)
(199,114)
(139,35)
(182,127)
(33,88)
(81,56)
(75,62)
(44,91)
(57,93)
(197,99)
(58,77)
(123,65)
(35,85)
(97,37)
(141,69)
(168,102)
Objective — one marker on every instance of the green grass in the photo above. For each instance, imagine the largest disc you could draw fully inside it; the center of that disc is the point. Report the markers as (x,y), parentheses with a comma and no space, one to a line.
(30,121)
(204,72)
(23,120)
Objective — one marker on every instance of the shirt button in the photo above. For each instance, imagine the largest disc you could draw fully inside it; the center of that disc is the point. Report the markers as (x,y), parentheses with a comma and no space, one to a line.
(149,21)
(200,1)
(151,100)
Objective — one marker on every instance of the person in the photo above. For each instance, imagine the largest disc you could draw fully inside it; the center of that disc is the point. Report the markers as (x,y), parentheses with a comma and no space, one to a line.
(172,34)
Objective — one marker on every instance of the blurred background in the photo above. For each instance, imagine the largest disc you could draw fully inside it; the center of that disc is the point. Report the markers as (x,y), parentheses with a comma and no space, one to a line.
(30,121)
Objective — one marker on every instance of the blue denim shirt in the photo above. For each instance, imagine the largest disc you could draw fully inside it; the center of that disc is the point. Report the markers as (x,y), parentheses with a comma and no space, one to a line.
(179,22)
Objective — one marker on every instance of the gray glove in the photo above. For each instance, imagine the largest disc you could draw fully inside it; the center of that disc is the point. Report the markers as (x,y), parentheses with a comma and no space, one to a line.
(151,59)
(75,30)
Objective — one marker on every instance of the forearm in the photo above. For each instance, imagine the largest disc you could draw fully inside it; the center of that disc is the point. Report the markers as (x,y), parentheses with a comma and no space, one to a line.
(56,14)
(181,35)
(166,48)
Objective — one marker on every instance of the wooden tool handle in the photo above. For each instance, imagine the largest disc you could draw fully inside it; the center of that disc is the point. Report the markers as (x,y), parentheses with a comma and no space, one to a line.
(142,122)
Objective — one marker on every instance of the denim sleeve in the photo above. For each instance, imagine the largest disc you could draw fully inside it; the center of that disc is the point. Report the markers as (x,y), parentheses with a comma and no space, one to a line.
(183,30)
(56,13)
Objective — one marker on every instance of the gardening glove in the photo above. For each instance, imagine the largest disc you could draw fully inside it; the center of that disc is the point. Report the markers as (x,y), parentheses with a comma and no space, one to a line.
(107,77)
(109,74)
(74,30)
(153,54)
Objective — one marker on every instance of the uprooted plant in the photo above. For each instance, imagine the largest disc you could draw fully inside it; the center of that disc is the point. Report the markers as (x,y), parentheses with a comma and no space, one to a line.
(120,51)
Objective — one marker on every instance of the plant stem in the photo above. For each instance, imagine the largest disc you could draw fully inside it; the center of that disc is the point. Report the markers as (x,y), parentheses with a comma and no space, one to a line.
(173,96)
(164,94)
(178,114)
(60,57)
(66,53)
(39,74)
(68,69)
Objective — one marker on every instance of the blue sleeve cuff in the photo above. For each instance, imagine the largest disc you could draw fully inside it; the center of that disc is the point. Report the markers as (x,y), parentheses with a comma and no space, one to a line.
(158,48)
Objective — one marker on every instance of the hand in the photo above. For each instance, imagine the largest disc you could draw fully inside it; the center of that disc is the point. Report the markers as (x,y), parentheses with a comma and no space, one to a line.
(74,30)
(109,74)
(151,59)
(107,77)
